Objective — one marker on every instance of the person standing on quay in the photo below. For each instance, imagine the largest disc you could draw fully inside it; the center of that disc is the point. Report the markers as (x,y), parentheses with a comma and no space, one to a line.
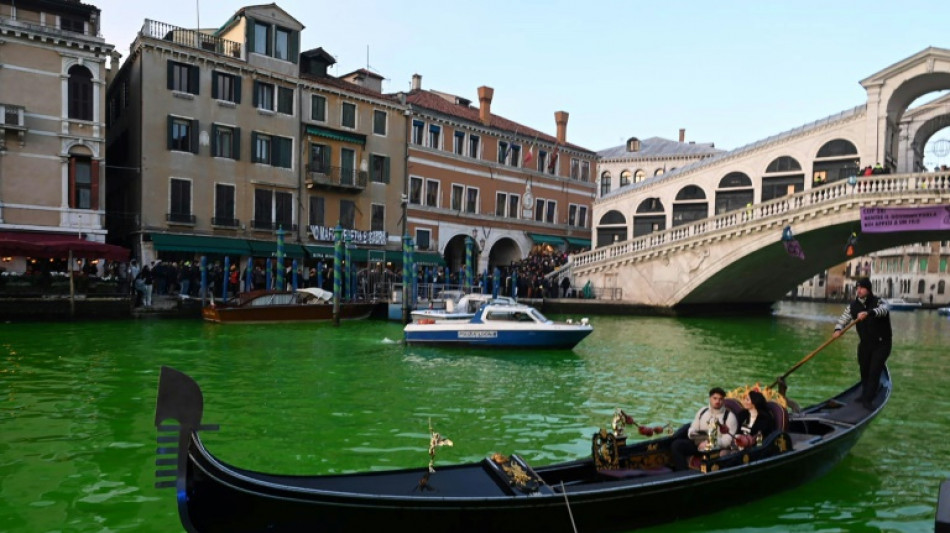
(874,330)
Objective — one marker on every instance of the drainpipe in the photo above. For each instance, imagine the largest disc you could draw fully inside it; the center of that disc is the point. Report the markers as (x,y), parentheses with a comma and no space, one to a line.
(404,200)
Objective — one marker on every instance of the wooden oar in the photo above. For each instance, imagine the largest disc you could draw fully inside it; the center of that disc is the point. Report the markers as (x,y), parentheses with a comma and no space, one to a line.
(813,354)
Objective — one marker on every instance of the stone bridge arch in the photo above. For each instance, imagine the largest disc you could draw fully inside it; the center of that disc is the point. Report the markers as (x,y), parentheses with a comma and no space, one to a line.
(890,93)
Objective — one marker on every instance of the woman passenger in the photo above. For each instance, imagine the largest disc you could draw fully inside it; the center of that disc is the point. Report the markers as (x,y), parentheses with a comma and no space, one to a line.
(755,419)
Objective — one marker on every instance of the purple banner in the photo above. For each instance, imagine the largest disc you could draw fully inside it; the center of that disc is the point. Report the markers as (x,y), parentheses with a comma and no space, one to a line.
(893,219)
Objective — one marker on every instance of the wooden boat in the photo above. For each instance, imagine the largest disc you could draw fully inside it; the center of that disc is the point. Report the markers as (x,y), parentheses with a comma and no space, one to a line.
(302,305)
(619,488)
(900,304)
(500,324)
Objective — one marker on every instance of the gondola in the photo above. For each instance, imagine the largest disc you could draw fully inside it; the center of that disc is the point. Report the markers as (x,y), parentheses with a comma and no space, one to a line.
(620,487)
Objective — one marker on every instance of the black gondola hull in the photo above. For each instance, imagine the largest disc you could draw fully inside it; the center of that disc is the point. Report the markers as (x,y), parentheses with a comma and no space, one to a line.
(214,496)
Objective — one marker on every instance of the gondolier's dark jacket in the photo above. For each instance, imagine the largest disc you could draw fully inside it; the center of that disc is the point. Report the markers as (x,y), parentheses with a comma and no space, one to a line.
(876,328)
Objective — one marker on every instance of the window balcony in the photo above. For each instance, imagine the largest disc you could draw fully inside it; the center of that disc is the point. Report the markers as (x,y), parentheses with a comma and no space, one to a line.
(267,225)
(335,178)
(180,218)
(12,119)
(225,222)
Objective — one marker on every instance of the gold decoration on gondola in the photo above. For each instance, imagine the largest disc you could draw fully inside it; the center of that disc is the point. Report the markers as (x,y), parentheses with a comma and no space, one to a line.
(771,395)
(518,476)
(436,441)
(604,450)
(621,420)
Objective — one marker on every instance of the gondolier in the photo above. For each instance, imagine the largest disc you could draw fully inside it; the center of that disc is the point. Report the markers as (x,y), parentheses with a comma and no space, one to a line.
(874,330)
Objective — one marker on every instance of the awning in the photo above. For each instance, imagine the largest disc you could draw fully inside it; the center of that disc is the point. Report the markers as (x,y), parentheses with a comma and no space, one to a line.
(58,245)
(540,238)
(269,249)
(580,243)
(169,242)
(426,258)
(318,251)
(336,135)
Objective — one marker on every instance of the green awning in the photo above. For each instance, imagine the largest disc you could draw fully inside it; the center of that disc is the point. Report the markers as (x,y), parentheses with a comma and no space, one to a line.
(168,242)
(427,258)
(337,135)
(269,249)
(540,238)
(318,251)
(580,243)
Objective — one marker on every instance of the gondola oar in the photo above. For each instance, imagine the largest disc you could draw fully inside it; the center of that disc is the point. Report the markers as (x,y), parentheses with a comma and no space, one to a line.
(813,354)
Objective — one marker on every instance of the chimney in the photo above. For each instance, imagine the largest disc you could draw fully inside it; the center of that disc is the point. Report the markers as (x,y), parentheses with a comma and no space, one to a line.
(416,82)
(485,95)
(560,118)
(682,134)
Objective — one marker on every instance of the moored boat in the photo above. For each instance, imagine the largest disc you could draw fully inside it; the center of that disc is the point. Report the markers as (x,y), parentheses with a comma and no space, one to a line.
(302,305)
(499,324)
(900,304)
(943,311)
(619,488)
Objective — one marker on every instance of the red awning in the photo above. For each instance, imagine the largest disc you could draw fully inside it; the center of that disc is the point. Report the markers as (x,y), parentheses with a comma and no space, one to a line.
(58,245)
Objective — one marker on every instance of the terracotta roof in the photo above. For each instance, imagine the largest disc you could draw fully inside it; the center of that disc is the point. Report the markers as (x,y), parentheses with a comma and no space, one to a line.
(343,85)
(434,102)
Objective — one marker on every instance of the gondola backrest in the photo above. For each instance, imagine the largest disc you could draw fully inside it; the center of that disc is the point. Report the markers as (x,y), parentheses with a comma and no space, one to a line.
(780,415)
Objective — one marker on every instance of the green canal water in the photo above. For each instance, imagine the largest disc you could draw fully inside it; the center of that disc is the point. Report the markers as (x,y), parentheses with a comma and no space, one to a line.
(77,436)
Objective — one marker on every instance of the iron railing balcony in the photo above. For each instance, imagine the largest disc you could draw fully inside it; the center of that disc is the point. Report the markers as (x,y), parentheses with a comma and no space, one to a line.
(340,178)
(228,222)
(180,218)
(191,38)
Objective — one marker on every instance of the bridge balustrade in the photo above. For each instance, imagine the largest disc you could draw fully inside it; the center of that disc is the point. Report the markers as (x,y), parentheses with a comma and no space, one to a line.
(899,185)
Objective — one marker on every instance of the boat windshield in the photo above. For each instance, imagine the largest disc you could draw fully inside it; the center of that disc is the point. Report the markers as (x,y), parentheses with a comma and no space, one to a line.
(539,317)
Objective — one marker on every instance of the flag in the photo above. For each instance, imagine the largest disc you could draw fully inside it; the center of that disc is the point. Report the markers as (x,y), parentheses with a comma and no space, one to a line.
(528,156)
(505,150)
(553,164)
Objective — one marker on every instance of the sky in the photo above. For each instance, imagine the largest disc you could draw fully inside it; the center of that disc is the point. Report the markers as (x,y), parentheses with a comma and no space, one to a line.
(728,72)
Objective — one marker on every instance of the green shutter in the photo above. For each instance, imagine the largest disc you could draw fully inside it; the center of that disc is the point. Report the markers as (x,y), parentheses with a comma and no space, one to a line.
(236,148)
(214,140)
(254,98)
(194,136)
(171,74)
(284,152)
(294,46)
(194,79)
(327,160)
(385,170)
(254,147)
(171,124)
(214,84)
(249,31)
(237,89)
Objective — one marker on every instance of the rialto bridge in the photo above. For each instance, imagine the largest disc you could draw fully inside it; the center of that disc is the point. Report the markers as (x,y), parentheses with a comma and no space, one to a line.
(707,236)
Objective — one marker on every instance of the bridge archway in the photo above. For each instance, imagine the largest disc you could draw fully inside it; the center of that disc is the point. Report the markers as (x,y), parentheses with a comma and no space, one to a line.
(503,252)
(891,93)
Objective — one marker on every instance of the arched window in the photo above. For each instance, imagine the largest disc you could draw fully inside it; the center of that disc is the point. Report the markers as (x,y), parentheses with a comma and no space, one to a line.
(735,179)
(625,178)
(650,205)
(658,172)
(691,192)
(783,164)
(639,176)
(837,148)
(80,93)
(738,195)
(613,217)
(604,183)
(83,182)
(941,286)
(837,160)
(921,286)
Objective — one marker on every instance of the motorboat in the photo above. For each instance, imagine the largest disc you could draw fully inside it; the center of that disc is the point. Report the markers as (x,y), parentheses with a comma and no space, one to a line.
(301,305)
(464,308)
(621,486)
(945,311)
(900,304)
(502,324)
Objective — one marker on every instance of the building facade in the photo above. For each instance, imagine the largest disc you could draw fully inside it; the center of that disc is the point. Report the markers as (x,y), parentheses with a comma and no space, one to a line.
(53,75)
(223,139)
(474,175)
